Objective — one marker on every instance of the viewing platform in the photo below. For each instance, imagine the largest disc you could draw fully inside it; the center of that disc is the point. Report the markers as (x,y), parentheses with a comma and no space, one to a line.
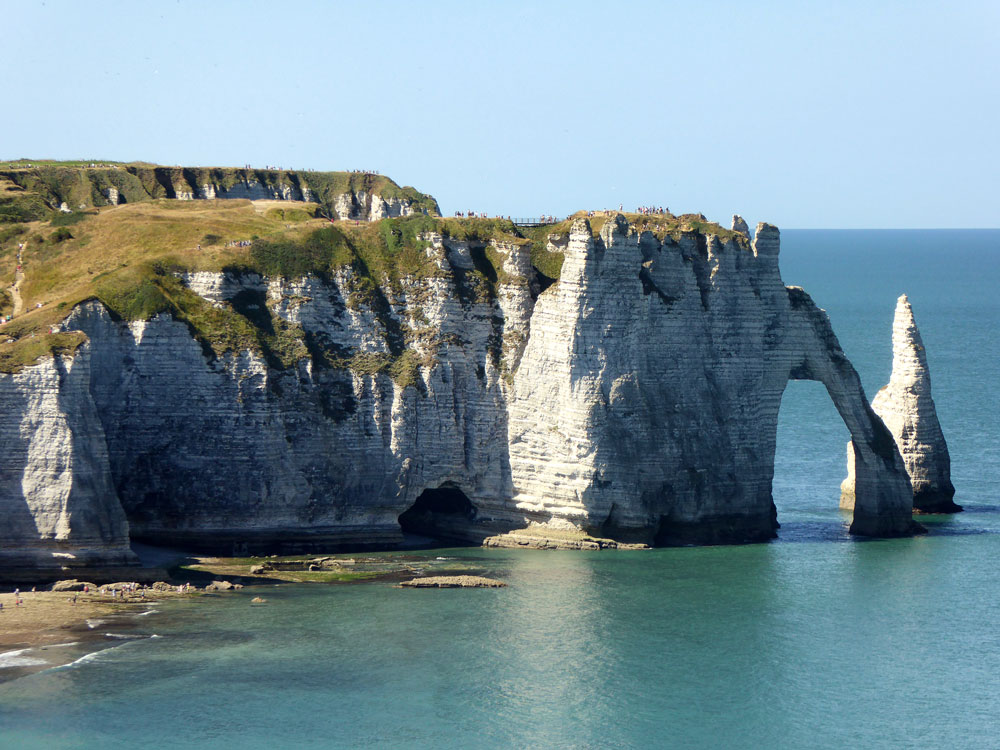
(535,222)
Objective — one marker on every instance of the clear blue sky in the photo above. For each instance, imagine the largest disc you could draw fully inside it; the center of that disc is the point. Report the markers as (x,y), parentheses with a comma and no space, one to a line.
(805,114)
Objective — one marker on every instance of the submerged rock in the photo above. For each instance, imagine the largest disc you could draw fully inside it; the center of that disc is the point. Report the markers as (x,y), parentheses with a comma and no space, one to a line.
(454,582)
(907,408)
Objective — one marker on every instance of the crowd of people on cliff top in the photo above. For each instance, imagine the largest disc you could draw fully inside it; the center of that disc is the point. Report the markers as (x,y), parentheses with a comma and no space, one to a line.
(545,219)
(282,169)
(31,165)
(651,210)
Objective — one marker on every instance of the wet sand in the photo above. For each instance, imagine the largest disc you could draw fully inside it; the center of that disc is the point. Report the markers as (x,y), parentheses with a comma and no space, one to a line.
(50,617)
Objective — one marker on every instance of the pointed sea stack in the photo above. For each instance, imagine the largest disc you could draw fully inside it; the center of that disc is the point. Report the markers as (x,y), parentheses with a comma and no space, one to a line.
(907,408)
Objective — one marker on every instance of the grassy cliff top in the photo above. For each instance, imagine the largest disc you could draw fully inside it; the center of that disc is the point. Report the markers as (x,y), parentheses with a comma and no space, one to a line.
(130,257)
(660,225)
(28,191)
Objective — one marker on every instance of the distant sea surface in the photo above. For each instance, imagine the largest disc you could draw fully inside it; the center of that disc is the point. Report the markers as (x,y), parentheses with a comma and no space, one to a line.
(815,640)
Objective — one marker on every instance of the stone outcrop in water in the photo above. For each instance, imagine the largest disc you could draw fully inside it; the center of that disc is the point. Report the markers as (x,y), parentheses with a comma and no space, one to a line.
(907,409)
(633,401)
(453,582)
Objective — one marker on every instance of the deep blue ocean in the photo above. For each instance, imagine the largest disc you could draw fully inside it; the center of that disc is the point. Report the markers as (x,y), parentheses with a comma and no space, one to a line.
(815,640)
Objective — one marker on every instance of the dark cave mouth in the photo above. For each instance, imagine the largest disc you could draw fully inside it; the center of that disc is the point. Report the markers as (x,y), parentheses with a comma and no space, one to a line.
(440,513)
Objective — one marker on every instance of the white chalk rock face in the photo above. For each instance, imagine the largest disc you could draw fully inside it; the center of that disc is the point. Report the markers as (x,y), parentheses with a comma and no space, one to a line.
(907,408)
(635,398)
(58,503)
(645,405)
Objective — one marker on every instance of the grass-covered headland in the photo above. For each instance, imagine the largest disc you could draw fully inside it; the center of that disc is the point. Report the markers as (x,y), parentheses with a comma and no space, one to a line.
(132,257)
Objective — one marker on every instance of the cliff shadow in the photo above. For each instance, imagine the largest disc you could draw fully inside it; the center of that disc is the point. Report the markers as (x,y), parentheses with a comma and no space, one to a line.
(442,514)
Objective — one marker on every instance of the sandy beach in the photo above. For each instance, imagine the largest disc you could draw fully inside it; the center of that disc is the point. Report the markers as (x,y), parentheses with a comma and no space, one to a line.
(49,617)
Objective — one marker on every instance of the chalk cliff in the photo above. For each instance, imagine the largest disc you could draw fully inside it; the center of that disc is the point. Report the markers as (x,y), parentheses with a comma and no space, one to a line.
(907,409)
(633,399)
(341,195)
(57,497)
(645,405)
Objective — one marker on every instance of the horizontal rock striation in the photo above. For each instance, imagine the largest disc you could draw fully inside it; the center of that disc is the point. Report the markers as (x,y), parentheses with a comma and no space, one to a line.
(57,498)
(645,405)
(907,408)
(632,402)
(230,453)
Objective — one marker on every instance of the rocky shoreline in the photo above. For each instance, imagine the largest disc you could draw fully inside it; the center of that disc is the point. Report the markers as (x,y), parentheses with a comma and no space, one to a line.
(80,613)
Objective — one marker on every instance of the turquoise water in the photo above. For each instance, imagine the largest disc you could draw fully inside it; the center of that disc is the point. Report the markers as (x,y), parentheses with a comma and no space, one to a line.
(815,640)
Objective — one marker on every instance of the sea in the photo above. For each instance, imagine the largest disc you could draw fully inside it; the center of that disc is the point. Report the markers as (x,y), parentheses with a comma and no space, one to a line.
(813,640)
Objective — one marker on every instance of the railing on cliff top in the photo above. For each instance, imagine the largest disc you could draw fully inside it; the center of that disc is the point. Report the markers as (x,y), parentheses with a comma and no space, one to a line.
(540,221)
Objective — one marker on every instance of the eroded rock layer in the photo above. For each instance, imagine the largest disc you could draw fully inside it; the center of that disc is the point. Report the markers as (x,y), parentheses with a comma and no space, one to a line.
(646,402)
(907,408)
(58,503)
(635,400)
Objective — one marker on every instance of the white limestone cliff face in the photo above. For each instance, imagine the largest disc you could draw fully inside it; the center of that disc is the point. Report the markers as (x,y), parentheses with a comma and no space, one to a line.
(359,205)
(254,190)
(645,405)
(229,451)
(635,399)
(907,408)
(364,206)
(57,497)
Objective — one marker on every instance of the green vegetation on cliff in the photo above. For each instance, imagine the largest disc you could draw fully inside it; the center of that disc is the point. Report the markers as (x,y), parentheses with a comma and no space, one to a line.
(133,257)
(35,346)
(45,186)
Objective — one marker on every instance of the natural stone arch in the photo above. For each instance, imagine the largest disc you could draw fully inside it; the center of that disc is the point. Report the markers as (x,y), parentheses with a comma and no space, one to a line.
(645,406)
(882,504)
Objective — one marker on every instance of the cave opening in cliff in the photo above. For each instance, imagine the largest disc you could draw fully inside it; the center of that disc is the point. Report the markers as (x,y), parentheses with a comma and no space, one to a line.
(441,513)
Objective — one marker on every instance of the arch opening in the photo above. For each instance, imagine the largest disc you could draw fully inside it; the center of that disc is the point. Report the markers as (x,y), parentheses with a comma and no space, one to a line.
(443,513)
(809,464)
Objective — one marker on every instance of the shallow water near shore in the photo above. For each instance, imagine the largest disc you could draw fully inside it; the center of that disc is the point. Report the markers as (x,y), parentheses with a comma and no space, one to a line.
(813,640)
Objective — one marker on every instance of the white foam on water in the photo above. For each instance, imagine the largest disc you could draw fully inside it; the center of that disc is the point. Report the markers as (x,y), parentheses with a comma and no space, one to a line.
(147,612)
(18,658)
(85,658)
(95,623)
(124,636)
